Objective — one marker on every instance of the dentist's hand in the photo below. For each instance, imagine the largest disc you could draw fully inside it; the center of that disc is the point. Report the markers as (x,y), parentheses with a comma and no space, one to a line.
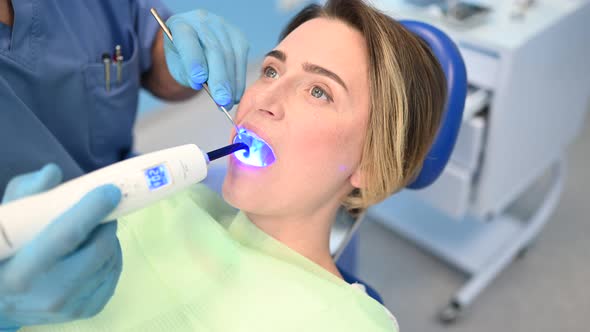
(69,271)
(206,49)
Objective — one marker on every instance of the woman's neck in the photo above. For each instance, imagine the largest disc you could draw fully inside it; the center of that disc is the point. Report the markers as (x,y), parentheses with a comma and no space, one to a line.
(6,12)
(309,235)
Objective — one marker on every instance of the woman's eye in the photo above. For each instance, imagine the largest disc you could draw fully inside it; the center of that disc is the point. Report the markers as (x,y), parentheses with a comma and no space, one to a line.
(270,72)
(319,93)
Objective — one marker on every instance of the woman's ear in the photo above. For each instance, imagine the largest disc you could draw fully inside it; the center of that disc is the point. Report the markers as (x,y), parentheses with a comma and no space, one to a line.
(356,179)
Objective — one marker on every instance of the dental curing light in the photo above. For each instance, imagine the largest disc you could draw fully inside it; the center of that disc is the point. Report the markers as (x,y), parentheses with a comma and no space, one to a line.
(260,153)
(142,180)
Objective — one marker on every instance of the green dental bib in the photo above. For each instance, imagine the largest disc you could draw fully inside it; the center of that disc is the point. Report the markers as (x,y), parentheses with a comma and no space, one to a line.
(191,264)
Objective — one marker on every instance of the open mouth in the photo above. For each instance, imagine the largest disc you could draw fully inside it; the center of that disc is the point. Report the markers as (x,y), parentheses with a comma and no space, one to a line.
(260,153)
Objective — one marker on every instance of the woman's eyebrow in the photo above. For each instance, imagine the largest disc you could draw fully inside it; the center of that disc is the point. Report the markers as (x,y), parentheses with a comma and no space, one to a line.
(315,69)
(309,67)
(280,55)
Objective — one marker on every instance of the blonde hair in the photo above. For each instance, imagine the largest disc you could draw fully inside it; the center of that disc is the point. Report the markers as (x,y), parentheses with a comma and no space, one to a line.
(407,98)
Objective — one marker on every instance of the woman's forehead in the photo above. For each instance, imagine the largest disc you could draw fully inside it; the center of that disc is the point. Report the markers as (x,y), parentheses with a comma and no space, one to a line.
(329,43)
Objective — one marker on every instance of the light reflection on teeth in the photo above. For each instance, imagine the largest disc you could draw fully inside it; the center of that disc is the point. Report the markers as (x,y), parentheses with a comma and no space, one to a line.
(260,153)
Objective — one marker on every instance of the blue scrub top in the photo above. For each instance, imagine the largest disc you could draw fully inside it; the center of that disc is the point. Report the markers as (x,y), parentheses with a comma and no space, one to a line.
(53,103)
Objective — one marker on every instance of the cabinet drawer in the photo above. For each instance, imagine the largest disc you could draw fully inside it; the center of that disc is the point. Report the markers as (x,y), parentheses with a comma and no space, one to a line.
(469,144)
(450,193)
(471,137)
(482,66)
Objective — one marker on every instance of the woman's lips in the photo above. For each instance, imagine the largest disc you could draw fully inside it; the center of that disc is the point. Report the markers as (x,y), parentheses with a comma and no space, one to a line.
(260,154)
(258,132)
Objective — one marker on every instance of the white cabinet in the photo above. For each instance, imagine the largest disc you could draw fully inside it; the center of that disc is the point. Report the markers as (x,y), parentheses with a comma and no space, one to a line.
(533,79)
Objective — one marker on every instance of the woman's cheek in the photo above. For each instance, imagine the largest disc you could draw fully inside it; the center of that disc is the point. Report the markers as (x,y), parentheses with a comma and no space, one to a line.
(316,144)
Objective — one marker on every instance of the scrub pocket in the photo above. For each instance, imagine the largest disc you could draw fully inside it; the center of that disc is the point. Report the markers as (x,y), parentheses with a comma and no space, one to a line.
(112,113)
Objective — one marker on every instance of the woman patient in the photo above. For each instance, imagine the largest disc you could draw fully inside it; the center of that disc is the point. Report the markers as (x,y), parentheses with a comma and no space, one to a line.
(350,102)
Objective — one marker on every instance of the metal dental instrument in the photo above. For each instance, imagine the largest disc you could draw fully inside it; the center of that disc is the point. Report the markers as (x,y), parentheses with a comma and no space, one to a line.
(205,86)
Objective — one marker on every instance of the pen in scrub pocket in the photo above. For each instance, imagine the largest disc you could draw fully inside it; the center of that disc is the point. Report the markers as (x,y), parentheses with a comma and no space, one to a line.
(119,59)
(106,60)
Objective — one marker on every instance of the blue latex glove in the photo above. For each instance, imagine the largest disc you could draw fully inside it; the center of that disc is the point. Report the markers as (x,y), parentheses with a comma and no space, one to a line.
(70,270)
(206,49)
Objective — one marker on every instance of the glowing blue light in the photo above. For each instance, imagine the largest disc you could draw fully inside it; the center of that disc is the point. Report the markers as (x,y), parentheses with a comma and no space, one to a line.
(260,153)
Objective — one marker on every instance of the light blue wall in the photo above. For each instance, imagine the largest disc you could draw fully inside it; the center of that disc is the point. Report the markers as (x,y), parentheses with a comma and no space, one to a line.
(260,20)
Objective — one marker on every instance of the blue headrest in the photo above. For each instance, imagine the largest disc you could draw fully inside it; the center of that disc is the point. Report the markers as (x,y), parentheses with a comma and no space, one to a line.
(452,64)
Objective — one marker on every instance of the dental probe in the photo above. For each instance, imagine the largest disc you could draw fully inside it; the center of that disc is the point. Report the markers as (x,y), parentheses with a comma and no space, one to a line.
(142,180)
(205,85)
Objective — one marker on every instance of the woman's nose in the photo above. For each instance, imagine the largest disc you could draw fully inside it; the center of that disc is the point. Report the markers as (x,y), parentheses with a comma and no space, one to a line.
(270,102)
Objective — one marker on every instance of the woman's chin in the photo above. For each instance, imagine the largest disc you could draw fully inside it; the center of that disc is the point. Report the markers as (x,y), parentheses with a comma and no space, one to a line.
(238,196)
(240,184)
(250,188)
(228,196)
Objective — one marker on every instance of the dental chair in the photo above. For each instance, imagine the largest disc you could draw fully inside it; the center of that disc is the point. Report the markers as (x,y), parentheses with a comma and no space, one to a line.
(344,240)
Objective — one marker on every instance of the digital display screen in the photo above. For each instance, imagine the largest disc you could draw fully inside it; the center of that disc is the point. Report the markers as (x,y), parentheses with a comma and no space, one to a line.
(157,177)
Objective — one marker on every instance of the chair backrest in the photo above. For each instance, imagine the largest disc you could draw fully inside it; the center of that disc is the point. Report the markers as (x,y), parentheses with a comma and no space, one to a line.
(450,59)
(453,66)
